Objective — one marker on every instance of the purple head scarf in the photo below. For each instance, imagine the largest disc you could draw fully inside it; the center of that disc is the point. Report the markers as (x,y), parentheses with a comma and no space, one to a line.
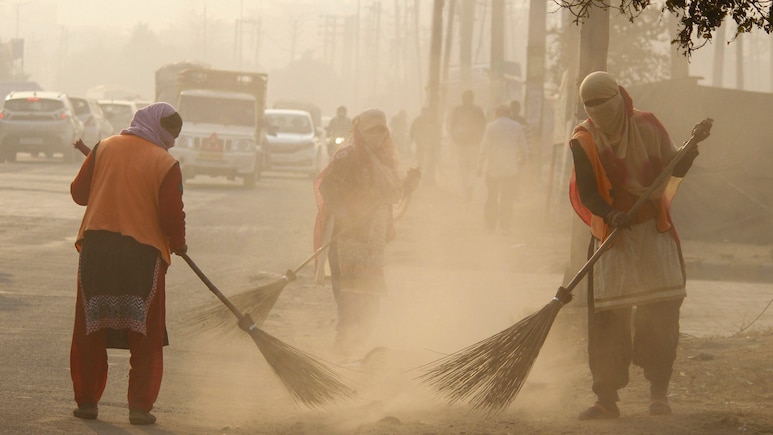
(147,124)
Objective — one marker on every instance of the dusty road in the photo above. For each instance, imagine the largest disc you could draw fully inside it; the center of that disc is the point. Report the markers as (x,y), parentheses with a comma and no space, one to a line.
(450,283)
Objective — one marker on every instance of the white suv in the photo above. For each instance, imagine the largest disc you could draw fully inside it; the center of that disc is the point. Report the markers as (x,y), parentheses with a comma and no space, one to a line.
(38,122)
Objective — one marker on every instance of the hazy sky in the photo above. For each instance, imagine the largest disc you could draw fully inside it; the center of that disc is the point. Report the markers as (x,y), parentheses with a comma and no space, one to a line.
(61,33)
(161,13)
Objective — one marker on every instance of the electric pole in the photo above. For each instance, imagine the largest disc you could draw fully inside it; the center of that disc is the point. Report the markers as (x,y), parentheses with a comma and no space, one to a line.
(466,24)
(535,72)
(433,82)
(497,68)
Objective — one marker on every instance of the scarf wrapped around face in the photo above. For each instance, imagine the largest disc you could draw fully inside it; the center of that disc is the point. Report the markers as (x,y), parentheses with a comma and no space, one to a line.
(633,144)
(147,124)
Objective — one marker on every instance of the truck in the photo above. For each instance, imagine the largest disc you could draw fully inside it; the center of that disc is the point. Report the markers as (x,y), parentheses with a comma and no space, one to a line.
(223,118)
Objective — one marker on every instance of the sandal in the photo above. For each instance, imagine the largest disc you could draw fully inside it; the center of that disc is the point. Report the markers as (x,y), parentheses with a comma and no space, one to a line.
(660,407)
(600,411)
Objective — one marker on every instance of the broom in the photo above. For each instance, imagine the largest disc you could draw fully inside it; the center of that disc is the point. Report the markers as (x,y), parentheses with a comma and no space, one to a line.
(493,371)
(306,378)
(260,300)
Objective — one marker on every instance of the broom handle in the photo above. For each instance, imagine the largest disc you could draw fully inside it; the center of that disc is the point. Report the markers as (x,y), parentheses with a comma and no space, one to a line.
(320,249)
(693,141)
(212,287)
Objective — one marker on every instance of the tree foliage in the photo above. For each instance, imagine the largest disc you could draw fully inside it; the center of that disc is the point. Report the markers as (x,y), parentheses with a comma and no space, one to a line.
(638,51)
(697,19)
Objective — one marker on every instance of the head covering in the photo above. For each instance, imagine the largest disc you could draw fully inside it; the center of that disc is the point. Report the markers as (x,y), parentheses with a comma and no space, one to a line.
(158,123)
(372,129)
(634,143)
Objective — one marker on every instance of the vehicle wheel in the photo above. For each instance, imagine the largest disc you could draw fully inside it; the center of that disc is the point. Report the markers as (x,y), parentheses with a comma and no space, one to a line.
(250,179)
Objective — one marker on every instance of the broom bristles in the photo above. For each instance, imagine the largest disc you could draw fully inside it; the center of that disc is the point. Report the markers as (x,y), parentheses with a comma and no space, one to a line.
(257,301)
(307,379)
(493,371)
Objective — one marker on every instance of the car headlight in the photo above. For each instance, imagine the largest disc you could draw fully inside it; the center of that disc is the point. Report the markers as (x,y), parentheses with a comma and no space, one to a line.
(184,142)
(243,145)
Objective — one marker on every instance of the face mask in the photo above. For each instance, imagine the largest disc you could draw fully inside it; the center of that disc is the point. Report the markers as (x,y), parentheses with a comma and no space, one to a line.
(374,137)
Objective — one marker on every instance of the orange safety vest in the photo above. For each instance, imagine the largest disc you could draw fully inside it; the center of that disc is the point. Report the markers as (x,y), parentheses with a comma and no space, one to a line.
(652,209)
(124,192)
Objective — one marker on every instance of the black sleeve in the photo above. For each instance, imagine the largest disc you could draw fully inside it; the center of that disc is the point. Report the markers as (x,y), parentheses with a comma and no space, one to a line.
(684,165)
(586,181)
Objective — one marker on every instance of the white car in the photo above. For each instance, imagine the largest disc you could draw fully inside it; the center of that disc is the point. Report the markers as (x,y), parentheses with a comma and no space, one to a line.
(119,113)
(95,123)
(292,143)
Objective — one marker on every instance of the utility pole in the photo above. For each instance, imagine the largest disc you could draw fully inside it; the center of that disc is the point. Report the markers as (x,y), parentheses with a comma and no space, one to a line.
(497,68)
(466,24)
(447,54)
(376,42)
(739,82)
(433,82)
(719,57)
(535,73)
(417,40)
(357,56)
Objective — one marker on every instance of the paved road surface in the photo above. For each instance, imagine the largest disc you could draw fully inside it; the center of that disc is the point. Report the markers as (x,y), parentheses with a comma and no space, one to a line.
(449,284)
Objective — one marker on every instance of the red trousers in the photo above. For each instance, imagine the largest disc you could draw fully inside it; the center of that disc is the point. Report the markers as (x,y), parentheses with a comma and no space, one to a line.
(88,356)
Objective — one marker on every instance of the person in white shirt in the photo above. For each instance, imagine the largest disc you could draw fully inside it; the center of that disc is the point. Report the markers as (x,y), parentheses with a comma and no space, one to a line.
(502,154)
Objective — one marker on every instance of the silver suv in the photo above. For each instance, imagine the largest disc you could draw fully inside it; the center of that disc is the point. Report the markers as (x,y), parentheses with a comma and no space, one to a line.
(38,122)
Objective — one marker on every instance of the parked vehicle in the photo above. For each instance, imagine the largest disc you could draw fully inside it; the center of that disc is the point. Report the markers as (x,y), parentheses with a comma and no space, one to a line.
(95,125)
(119,113)
(38,122)
(223,119)
(292,142)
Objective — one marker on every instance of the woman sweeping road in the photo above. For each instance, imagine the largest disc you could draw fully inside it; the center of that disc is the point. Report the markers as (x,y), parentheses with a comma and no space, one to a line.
(355,194)
(618,153)
(134,219)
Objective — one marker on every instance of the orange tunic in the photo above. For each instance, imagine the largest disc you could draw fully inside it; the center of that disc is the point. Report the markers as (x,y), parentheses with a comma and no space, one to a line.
(125,198)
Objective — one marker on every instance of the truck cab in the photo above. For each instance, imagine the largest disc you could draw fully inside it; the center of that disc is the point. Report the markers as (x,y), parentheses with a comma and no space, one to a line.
(222,114)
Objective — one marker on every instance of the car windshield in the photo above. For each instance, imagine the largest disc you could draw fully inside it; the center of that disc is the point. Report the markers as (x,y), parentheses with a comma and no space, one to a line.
(117,111)
(33,104)
(226,111)
(79,106)
(289,123)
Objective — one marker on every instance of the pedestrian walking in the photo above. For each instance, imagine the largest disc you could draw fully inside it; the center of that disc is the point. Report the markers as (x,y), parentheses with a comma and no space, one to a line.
(424,134)
(465,126)
(636,288)
(355,197)
(502,153)
(134,219)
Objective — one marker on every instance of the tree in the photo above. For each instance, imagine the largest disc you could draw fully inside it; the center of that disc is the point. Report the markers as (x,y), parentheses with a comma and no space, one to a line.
(697,19)
(638,51)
